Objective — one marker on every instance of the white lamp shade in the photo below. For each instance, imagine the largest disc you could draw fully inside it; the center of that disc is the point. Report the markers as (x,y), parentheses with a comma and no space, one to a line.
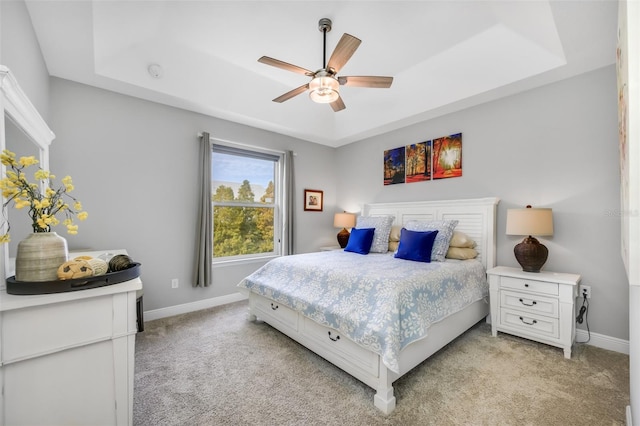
(529,221)
(344,220)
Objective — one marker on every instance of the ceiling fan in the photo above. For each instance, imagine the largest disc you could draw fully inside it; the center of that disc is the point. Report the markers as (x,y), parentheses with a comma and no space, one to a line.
(324,85)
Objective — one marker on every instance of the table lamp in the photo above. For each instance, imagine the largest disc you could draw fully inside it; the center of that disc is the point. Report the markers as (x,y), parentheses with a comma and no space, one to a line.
(344,220)
(531,255)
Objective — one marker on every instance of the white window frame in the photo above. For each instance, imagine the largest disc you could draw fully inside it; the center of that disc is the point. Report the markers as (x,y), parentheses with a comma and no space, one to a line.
(278,203)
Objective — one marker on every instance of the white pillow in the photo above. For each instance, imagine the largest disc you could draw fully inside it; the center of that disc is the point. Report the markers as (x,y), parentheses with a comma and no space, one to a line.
(445,232)
(382,225)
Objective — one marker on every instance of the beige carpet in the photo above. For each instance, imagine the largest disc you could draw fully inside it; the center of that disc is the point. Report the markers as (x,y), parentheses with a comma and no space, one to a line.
(212,367)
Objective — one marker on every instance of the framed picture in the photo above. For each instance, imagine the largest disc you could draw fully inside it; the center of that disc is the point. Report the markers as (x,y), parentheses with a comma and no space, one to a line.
(418,162)
(447,157)
(312,200)
(393,166)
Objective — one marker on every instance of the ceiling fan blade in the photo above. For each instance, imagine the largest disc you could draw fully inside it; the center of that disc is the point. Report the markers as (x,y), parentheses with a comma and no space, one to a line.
(290,94)
(366,81)
(337,105)
(344,50)
(284,65)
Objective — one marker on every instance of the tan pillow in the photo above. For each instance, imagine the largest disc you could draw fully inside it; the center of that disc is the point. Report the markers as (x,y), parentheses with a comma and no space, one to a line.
(394,235)
(460,239)
(393,245)
(461,253)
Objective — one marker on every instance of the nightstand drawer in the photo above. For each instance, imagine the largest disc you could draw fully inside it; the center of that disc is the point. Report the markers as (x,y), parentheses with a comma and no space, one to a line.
(529,323)
(529,285)
(529,303)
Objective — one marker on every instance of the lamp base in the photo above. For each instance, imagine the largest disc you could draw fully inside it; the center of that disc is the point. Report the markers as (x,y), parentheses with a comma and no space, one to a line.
(530,254)
(343,237)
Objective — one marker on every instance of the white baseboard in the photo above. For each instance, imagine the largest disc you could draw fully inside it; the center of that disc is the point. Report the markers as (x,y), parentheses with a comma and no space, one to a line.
(170,311)
(604,342)
(629,419)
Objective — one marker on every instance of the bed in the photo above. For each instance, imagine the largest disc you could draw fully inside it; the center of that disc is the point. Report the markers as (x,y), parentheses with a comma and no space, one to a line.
(379,345)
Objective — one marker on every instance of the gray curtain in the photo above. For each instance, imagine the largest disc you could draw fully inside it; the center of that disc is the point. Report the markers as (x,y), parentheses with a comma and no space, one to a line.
(204,234)
(289,204)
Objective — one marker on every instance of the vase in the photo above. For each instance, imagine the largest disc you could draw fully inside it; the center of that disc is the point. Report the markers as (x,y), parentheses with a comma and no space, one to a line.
(39,256)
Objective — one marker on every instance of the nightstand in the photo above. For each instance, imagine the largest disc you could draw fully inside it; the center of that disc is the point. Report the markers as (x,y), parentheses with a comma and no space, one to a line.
(538,306)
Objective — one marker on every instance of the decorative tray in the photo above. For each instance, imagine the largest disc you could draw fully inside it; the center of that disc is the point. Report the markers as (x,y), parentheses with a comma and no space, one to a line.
(61,286)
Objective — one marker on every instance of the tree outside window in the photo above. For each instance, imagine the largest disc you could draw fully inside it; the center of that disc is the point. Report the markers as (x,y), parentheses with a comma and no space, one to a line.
(245,203)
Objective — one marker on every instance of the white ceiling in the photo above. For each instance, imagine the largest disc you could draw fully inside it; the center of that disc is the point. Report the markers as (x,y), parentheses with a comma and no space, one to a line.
(443,55)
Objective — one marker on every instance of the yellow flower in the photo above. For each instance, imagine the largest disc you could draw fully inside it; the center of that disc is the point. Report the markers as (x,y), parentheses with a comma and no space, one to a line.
(68,185)
(19,204)
(8,158)
(43,203)
(28,161)
(41,175)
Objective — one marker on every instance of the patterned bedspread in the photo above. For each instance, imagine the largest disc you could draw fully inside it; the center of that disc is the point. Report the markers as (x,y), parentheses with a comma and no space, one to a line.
(380,302)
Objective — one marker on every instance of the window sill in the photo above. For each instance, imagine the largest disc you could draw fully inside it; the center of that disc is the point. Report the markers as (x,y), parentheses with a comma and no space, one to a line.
(243,261)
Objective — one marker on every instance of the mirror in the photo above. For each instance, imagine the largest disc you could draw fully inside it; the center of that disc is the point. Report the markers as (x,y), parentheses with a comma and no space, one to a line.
(25,133)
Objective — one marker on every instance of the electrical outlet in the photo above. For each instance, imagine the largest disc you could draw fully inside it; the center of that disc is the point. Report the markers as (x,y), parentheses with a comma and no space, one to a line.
(174,283)
(585,290)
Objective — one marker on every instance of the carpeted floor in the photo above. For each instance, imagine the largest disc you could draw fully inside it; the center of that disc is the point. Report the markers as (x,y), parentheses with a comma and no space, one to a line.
(213,367)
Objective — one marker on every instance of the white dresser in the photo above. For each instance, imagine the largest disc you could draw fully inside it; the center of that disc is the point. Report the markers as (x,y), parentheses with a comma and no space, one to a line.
(539,306)
(68,358)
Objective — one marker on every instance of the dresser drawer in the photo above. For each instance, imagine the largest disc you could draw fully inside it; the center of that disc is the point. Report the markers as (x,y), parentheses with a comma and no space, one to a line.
(529,285)
(66,325)
(529,303)
(529,323)
(331,340)
(274,311)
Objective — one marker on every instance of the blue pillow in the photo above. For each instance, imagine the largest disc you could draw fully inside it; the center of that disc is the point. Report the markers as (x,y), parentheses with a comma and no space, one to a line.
(415,245)
(360,240)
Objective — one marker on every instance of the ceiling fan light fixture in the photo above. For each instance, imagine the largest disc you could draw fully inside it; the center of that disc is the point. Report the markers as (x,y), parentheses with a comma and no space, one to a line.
(323,89)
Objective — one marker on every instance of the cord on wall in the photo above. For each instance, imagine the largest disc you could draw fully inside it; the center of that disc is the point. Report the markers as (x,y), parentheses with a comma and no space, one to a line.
(583,316)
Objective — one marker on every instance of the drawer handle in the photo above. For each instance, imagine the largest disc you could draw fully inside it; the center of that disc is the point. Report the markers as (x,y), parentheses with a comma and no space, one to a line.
(528,323)
(526,284)
(533,302)
(336,338)
(274,307)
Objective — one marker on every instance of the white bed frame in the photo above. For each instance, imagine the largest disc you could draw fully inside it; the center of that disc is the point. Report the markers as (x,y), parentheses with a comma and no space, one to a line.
(477,218)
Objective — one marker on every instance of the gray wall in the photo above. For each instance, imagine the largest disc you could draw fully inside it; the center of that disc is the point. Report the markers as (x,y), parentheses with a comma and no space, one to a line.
(551,147)
(135,167)
(20,51)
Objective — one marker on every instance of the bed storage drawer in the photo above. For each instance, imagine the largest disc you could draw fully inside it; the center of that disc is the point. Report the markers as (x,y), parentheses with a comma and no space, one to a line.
(329,339)
(270,311)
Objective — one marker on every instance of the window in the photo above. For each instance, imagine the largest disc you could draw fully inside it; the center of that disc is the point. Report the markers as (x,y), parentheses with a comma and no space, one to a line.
(246,201)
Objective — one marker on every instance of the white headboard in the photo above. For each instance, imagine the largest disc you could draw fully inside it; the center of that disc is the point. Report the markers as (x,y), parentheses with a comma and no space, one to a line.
(476,218)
